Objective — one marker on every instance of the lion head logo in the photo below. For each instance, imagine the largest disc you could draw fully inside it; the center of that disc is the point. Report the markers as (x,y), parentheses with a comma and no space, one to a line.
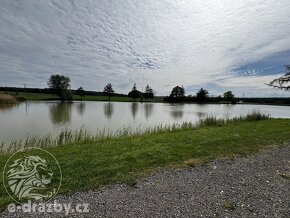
(29,177)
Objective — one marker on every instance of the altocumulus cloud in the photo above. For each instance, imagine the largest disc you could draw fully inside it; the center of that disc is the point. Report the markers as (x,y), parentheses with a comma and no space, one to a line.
(220,44)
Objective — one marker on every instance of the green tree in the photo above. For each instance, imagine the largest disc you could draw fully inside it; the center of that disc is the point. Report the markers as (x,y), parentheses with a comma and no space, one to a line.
(201,95)
(177,92)
(149,93)
(108,90)
(134,93)
(283,81)
(60,85)
(81,92)
(229,96)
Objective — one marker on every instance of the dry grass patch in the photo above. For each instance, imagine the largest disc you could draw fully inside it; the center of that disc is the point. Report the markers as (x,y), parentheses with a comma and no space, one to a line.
(7,99)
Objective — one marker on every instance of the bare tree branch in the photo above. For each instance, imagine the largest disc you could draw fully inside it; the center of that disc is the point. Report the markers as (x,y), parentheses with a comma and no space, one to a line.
(282,81)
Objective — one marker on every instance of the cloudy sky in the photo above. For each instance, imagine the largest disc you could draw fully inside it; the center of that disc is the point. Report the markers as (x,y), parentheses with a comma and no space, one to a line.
(219,45)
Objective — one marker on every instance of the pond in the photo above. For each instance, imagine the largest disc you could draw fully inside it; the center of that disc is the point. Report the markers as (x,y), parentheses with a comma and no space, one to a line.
(42,118)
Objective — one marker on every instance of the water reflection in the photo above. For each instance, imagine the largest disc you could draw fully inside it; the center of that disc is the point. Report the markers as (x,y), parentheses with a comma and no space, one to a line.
(60,113)
(81,108)
(43,116)
(228,109)
(201,115)
(148,108)
(177,111)
(108,110)
(6,107)
(134,109)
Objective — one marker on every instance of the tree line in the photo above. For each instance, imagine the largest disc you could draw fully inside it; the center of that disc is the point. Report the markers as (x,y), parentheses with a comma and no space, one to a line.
(60,86)
(178,95)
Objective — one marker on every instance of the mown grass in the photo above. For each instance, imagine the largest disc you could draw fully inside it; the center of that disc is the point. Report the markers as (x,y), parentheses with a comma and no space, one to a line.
(90,164)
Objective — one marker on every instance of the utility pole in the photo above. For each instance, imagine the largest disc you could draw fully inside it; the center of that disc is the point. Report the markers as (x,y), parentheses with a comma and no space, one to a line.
(24,89)
(142,95)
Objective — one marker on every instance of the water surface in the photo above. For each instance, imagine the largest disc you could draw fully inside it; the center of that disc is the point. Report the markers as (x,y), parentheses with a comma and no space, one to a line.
(42,118)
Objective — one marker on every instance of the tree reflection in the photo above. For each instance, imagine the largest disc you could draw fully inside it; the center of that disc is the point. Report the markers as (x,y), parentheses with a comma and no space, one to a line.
(148,107)
(108,110)
(134,109)
(177,111)
(60,113)
(81,108)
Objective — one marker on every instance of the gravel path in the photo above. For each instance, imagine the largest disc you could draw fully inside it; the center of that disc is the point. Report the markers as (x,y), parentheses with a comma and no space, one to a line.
(243,187)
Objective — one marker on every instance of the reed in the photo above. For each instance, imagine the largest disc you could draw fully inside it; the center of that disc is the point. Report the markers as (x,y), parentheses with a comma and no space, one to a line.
(7,99)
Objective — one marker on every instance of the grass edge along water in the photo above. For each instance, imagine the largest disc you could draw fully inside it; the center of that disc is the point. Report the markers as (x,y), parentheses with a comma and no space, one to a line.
(68,136)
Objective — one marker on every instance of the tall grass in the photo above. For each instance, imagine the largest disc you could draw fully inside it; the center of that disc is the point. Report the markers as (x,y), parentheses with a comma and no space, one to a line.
(68,136)
(255,115)
(7,99)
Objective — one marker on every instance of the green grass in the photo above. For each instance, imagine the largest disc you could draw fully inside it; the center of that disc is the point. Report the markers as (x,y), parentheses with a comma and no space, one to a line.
(285,176)
(33,96)
(90,164)
(102,98)
(44,97)
(230,206)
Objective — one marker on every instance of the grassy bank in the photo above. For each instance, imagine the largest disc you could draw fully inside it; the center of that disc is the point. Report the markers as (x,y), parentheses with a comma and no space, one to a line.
(47,97)
(90,164)
(33,96)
